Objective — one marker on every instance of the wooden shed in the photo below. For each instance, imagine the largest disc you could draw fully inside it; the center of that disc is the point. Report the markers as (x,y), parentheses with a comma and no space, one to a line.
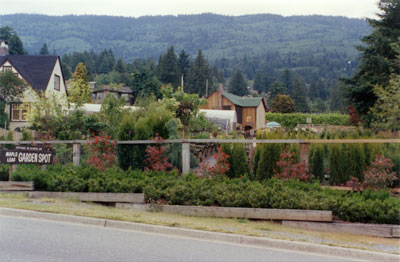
(250,111)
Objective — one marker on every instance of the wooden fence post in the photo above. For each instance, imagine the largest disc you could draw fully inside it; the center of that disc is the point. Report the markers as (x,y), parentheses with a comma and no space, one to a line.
(304,152)
(76,154)
(13,168)
(185,158)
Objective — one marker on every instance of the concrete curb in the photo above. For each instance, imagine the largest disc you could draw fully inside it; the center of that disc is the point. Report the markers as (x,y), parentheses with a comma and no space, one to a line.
(212,236)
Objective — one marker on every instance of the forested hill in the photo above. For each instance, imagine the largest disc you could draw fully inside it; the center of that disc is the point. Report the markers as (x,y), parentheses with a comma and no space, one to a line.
(218,36)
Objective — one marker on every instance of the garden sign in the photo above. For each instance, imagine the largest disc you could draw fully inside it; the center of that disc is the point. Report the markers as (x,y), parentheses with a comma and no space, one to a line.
(27,155)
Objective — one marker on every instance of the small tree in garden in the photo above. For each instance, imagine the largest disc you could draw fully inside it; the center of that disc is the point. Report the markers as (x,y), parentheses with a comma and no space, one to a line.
(355,118)
(283,104)
(288,169)
(378,176)
(156,159)
(102,152)
(220,169)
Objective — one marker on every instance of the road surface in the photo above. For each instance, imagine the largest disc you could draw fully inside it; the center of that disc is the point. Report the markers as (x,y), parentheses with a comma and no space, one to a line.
(25,239)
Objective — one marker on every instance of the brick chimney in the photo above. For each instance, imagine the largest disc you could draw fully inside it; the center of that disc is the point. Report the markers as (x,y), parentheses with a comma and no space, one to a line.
(3,48)
(220,90)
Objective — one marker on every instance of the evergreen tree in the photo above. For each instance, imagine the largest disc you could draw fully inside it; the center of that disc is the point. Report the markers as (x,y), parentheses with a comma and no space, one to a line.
(238,85)
(336,99)
(262,81)
(6,33)
(198,76)
(16,47)
(145,83)
(314,90)
(106,62)
(287,80)
(238,163)
(168,69)
(79,92)
(276,88)
(386,110)
(44,50)
(299,95)
(183,64)
(119,66)
(378,59)
(67,71)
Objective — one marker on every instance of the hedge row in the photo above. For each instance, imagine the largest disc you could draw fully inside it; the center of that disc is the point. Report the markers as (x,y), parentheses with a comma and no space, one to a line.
(291,120)
(369,207)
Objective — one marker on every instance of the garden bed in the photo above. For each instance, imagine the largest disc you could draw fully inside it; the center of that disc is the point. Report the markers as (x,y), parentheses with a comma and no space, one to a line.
(161,187)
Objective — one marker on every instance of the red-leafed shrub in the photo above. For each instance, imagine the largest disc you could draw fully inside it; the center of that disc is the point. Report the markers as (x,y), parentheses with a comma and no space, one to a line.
(288,169)
(156,159)
(354,116)
(378,176)
(102,152)
(221,167)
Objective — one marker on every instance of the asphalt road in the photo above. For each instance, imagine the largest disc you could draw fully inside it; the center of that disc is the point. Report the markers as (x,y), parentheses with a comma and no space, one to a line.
(25,239)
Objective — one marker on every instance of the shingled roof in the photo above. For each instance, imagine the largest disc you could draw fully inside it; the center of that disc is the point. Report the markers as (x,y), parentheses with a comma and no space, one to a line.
(35,69)
(243,101)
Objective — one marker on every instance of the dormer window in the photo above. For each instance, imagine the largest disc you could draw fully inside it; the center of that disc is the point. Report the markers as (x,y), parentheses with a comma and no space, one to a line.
(57,82)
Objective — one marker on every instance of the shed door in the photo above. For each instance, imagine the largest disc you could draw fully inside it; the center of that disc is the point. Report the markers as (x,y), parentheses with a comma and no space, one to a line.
(239,114)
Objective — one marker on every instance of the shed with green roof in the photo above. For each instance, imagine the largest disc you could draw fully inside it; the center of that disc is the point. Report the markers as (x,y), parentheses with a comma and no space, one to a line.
(250,111)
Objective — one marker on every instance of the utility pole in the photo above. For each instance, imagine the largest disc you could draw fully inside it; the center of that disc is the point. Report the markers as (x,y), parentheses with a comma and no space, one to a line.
(206,87)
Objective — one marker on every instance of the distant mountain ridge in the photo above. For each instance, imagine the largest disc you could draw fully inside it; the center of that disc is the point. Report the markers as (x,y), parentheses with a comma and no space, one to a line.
(217,35)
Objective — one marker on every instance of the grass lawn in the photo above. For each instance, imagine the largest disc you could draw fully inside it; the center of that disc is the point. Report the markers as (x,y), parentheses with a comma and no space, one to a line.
(235,226)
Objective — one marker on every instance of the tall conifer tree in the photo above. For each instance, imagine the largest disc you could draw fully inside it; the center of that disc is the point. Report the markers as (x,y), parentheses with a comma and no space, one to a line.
(378,59)
(198,76)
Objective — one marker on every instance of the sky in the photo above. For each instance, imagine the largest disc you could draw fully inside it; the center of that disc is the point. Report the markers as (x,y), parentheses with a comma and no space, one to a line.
(137,8)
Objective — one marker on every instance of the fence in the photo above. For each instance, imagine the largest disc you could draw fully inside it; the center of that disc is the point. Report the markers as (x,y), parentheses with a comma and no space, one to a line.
(303,145)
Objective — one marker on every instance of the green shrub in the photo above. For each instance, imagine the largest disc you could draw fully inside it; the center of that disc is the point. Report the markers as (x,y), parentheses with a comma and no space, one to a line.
(4,172)
(367,206)
(238,163)
(316,160)
(291,120)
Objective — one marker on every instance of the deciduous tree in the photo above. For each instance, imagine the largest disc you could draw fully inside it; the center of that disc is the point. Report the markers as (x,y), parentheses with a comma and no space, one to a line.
(283,104)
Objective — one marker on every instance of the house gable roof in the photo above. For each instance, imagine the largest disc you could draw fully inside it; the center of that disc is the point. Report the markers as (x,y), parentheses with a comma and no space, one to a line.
(243,101)
(122,90)
(35,69)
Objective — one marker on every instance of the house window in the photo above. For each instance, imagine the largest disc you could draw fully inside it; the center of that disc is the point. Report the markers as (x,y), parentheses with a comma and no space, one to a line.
(57,82)
(19,112)
(226,107)
(99,95)
(7,68)
(248,119)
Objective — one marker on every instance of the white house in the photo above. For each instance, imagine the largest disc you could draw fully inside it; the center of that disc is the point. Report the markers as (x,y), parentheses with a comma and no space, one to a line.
(43,73)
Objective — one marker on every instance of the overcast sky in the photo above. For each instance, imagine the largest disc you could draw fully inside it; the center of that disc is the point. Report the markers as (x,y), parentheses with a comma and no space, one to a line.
(136,8)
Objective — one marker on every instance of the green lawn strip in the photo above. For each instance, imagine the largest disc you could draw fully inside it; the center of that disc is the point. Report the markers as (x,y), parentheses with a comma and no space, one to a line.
(234,226)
